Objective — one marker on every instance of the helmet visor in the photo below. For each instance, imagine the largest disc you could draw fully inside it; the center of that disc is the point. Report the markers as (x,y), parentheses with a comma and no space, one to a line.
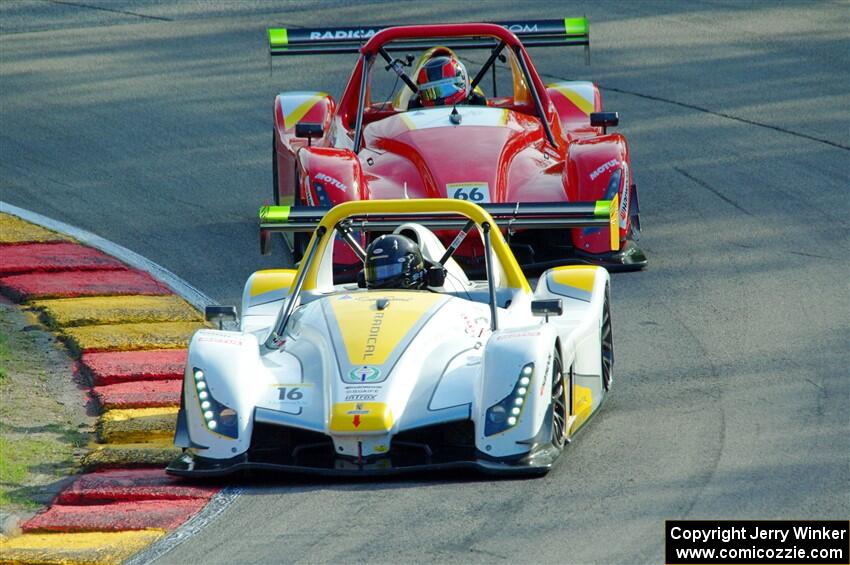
(439,89)
(376,273)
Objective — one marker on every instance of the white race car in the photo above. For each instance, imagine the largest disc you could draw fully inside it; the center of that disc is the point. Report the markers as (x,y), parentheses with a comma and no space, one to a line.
(339,379)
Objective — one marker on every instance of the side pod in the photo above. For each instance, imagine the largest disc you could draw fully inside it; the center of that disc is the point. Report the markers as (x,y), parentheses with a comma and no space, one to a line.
(510,407)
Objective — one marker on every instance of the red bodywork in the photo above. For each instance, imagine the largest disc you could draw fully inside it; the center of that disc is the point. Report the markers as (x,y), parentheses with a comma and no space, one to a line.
(419,153)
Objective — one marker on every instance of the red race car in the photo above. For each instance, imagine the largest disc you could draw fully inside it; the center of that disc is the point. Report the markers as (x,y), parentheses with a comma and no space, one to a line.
(438,134)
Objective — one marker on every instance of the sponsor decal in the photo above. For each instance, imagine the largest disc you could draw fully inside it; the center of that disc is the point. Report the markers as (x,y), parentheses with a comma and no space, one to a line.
(474,327)
(546,375)
(602,168)
(380,448)
(370,389)
(521,28)
(518,335)
(343,34)
(346,297)
(221,340)
(360,397)
(374,331)
(387,298)
(358,410)
(309,193)
(331,181)
(363,374)
(366,33)
(362,393)
(477,192)
(321,194)
(624,205)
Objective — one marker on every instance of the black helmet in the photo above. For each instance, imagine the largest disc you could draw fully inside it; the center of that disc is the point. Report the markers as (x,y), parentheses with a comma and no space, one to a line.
(394,261)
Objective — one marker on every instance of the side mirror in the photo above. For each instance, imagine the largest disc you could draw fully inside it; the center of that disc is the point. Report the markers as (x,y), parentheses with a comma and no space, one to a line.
(603,120)
(436,276)
(220,314)
(551,307)
(309,130)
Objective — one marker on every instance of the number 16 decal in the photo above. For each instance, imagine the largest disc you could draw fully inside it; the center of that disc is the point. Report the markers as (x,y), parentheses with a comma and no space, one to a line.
(294,395)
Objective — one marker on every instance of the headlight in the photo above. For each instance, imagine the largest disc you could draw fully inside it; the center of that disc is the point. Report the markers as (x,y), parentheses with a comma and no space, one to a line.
(506,413)
(217,417)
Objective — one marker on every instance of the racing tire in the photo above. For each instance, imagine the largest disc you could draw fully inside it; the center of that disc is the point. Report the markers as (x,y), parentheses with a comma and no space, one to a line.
(606,340)
(299,240)
(275,186)
(560,410)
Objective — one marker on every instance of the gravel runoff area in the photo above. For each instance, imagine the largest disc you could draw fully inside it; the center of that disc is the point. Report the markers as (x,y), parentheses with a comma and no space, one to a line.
(44,424)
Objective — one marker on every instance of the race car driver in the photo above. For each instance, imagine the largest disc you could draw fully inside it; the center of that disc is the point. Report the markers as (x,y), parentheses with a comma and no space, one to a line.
(394,261)
(442,80)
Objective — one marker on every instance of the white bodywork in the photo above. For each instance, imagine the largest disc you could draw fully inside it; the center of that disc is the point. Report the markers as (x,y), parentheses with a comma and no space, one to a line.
(361,366)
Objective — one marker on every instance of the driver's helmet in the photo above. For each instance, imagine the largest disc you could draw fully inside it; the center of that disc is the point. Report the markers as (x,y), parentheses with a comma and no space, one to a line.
(394,261)
(442,80)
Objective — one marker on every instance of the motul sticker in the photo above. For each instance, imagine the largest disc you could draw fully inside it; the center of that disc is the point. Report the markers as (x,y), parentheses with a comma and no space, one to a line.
(476,192)
(602,168)
(331,181)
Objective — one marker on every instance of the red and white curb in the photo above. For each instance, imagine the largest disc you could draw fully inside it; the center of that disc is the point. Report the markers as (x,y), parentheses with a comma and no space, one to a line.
(121,314)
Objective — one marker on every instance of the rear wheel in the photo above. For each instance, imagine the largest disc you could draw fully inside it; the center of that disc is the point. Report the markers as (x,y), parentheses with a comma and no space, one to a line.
(275,185)
(559,403)
(607,342)
(299,239)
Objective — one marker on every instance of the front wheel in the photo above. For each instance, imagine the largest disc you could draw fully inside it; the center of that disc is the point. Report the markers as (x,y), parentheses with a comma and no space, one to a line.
(560,413)
(607,342)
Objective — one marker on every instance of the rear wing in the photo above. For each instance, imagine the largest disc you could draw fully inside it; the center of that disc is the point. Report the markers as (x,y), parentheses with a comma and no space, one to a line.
(508,216)
(532,33)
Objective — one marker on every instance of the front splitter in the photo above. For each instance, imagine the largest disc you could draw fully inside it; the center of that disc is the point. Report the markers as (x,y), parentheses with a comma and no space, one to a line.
(191,465)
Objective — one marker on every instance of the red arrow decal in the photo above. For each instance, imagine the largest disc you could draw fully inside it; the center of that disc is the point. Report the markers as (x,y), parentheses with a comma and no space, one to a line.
(356,420)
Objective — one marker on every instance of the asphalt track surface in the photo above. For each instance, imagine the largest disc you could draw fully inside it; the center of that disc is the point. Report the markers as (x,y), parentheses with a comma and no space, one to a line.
(148,124)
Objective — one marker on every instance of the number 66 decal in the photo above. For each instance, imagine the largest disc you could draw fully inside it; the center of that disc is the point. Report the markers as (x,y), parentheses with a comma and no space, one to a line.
(294,395)
(477,192)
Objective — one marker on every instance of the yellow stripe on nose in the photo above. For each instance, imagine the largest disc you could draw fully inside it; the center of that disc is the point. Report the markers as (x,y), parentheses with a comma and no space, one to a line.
(371,335)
